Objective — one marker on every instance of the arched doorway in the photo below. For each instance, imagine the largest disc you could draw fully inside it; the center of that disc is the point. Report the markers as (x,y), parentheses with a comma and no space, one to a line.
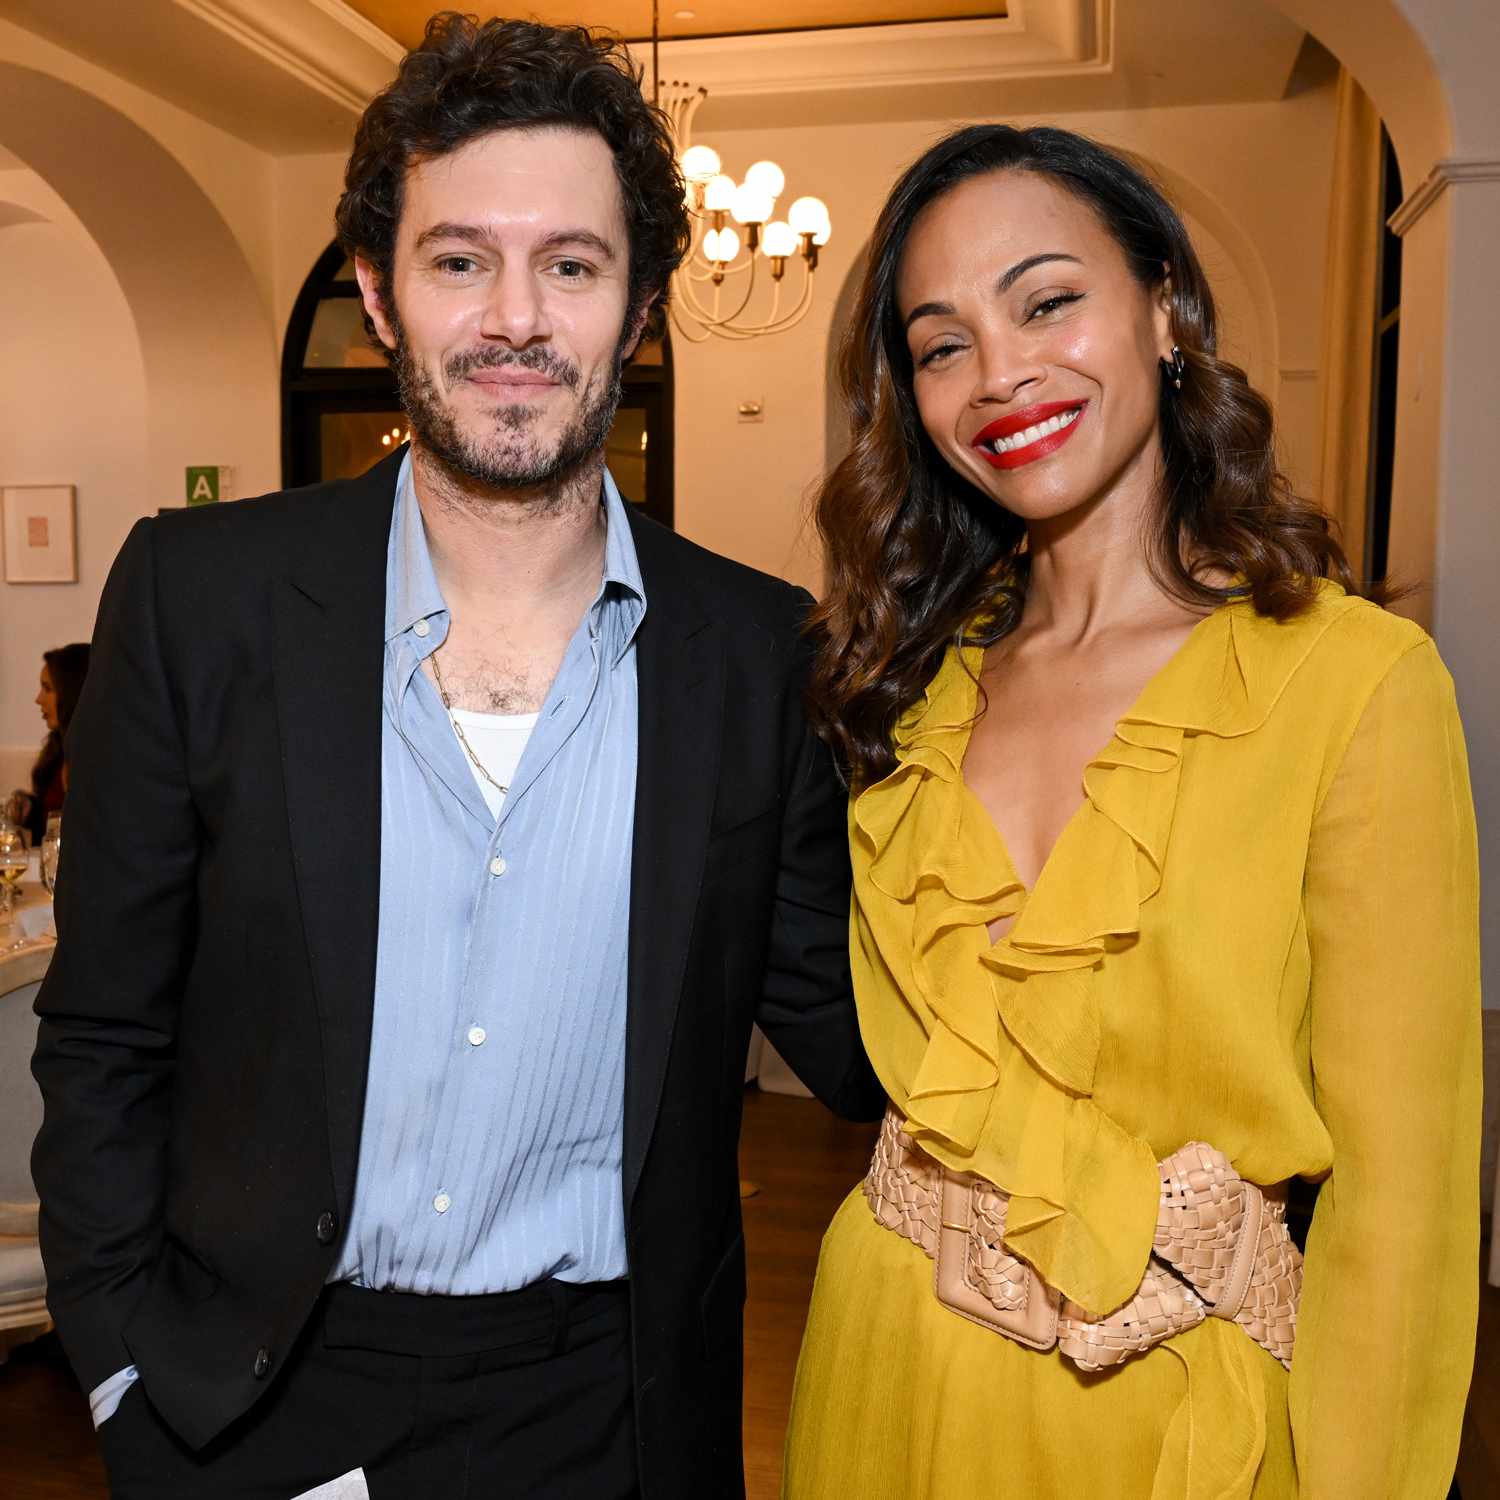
(340,411)
(206,343)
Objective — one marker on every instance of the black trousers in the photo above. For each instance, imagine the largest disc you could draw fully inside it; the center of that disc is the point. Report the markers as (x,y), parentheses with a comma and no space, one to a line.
(522,1394)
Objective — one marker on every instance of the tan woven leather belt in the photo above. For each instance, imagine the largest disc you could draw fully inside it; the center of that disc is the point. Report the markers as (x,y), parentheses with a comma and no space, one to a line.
(1221,1250)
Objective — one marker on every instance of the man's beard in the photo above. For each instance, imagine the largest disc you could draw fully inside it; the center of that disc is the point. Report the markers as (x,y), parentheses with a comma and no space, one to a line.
(509,456)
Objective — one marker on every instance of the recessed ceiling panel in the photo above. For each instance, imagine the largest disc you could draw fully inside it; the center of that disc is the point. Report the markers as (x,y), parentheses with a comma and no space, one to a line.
(405,19)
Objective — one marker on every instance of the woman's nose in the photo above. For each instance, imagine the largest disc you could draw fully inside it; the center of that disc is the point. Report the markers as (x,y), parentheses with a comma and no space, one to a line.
(1006,366)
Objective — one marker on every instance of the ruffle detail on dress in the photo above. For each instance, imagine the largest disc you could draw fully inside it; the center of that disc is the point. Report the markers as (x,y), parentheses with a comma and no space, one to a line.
(1217,1433)
(925,846)
(1009,1034)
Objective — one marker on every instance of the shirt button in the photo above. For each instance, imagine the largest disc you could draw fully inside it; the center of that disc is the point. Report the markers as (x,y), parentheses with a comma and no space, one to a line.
(326,1226)
(497,866)
(442,1203)
(262,1366)
(421,628)
(477,1035)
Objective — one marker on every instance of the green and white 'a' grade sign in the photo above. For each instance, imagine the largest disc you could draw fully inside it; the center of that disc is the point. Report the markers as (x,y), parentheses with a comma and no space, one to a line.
(208,484)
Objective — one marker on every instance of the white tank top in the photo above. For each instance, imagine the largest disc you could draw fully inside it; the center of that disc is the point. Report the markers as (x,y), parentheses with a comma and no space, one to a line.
(499,740)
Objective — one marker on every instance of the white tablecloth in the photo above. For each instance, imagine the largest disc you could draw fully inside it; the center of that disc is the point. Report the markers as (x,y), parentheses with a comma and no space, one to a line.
(33,912)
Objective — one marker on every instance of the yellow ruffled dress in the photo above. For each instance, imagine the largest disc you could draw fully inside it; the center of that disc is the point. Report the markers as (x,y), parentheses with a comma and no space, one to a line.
(1259,930)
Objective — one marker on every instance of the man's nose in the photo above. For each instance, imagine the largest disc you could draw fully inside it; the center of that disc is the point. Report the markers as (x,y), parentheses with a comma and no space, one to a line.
(516,310)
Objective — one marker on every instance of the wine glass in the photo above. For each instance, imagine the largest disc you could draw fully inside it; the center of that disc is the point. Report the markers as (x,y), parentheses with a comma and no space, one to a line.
(51,851)
(14,863)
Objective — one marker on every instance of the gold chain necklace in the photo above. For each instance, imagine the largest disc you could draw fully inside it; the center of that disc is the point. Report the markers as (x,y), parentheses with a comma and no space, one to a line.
(458,728)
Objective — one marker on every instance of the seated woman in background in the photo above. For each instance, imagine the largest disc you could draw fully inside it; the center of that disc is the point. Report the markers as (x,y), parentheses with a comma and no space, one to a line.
(63,671)
(1165,892)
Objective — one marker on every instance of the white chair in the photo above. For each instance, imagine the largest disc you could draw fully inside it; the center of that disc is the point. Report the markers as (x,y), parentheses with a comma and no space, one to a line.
(23,1283)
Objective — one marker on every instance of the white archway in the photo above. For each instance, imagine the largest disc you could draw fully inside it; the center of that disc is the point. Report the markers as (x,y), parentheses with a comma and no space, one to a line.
(208,346)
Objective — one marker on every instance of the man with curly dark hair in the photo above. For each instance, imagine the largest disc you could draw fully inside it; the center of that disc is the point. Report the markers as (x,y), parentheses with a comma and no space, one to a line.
(434,839)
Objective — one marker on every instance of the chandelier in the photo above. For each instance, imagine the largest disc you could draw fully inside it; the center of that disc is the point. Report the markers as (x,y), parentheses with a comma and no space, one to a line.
(738,242)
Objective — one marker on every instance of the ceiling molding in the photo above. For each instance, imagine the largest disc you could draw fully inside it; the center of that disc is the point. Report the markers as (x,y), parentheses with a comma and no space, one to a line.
(365,31)
(321,43)
(1452,171)
(1038,39)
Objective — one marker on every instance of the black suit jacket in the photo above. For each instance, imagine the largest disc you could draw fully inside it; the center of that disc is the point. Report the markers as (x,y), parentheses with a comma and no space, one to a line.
(205,1025)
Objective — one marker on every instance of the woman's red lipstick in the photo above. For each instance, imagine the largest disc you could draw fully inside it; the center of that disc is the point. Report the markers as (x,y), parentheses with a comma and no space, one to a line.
(1054,419)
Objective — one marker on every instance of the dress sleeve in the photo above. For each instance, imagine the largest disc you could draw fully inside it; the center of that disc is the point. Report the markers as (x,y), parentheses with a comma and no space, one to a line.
(1385,1336)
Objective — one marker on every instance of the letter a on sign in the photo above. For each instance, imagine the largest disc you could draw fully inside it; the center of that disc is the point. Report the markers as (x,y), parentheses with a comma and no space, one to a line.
(202,486)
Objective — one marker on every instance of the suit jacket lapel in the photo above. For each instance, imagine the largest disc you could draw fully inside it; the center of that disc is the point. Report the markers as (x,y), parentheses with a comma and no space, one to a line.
(680,676)
(329,625)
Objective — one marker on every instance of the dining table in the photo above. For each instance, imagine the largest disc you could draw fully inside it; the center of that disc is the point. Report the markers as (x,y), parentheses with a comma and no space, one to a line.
(31,926)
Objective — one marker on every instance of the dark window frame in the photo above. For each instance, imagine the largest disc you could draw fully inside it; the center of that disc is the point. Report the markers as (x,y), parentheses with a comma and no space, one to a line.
(1385,355)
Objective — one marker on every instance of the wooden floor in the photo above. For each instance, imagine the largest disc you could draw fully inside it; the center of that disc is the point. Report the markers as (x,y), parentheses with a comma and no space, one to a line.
(804,1162)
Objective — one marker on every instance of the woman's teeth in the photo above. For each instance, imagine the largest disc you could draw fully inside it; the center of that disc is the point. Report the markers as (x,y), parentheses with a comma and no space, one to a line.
(1035,434)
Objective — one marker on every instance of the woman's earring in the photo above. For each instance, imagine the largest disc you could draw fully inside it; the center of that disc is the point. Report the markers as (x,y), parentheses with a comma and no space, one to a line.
(1176,367)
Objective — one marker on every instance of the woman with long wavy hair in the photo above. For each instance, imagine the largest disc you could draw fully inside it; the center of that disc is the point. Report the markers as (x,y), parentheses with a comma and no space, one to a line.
(62,674)
(1165,894)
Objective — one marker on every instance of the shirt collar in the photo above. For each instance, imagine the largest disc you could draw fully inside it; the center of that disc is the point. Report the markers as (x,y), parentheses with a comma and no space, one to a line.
(412,592)
(622,568)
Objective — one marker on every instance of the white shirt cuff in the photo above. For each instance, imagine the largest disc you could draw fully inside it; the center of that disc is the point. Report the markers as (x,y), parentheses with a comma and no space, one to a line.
(105,1397)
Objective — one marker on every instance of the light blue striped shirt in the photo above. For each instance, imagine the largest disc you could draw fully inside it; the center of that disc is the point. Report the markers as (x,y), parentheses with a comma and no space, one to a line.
(490,1154)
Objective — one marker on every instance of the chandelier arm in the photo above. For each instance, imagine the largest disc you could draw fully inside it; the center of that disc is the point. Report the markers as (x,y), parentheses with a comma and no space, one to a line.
(690,108)
(678,322)
(745,300)
(689,298)
(771,325)
(734,268)
(728,329)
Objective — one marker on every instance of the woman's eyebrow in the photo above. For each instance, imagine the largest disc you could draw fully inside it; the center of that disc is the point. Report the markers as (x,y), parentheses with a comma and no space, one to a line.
(1021,267)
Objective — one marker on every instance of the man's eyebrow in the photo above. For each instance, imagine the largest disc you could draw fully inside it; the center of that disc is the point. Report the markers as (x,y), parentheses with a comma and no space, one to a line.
(470,234)
(584,238)
(476,234)
(1021,267)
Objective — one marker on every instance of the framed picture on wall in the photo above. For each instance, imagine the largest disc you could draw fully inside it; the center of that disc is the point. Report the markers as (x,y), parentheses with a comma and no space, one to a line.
(37,524)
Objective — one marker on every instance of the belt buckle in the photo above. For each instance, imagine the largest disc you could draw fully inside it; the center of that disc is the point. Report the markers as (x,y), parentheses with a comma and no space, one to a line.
(1033,1323)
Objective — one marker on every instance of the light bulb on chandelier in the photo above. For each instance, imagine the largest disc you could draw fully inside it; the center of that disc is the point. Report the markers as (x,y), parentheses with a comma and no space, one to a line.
(768,177)
(700,163)
(751,205)
(779,240)
(720,247)
(718,193)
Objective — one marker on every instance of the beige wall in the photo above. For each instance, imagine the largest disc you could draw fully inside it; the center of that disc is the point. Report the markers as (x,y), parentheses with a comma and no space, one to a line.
(72,411)
(305,191)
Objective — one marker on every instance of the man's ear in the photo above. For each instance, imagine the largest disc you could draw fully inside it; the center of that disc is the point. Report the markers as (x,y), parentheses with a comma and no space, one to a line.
(638,325)
(374,304)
